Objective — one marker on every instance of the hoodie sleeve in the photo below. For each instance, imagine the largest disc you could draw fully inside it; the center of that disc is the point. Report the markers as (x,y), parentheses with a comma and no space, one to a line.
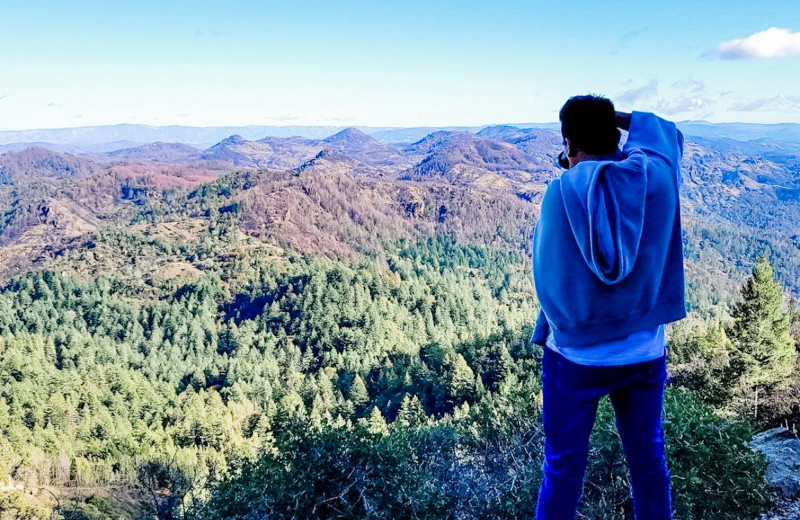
(657,138)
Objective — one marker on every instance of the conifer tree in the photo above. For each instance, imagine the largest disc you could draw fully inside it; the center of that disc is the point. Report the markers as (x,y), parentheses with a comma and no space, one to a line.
(326,390)
(716,379)
(375,424)
(499,365)
(462,379)
(411,412)
(268,404)
(358,392)
(308,388)
(346,409)
(315,417)
(290,407)
(764,353)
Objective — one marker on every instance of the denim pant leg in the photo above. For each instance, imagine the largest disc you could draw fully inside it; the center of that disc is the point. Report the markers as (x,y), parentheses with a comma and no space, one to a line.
(568,415)
(638,407)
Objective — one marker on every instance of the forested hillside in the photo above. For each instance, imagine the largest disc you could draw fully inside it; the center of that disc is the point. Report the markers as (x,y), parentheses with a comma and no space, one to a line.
(338,328)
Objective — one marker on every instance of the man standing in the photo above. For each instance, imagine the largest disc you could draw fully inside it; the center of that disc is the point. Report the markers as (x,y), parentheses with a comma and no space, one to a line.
(608,271)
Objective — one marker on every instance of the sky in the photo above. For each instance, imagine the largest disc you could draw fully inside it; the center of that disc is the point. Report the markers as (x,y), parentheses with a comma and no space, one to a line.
(392,63)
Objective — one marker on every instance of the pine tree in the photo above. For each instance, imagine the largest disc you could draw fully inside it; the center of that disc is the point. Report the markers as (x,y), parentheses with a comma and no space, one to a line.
(763,353)
(315,420)
(411,412)
(291,407)
(462,379)
(326,390)
(268,404)
(499,366)
(308,388)
(346,409)
(717,378)
(358,392)
(375,423)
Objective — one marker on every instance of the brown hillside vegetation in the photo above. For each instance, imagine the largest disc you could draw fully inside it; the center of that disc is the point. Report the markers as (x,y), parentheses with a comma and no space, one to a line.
(324,208)
(37,162)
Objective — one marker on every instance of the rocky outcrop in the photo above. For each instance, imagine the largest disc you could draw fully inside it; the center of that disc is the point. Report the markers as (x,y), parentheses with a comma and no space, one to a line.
(782,450)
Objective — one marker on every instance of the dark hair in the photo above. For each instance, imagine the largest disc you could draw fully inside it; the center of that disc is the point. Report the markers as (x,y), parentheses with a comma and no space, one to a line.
(591,125)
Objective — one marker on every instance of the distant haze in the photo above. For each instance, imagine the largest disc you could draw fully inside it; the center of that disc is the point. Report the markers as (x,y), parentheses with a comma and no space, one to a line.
(97,139)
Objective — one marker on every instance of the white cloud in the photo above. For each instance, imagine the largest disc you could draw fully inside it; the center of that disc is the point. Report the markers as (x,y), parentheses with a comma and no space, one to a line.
(635,95)
(684,104)
(772,43)
(684,96)
(689,85)
(774,104)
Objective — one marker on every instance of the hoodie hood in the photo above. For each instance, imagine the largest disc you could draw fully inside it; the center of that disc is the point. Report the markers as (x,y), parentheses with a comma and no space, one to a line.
(604,202)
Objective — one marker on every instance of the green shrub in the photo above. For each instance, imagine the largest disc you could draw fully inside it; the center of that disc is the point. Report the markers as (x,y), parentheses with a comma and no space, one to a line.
(339,473)
(18,506)
(488,466)
(90,508)
(715,475)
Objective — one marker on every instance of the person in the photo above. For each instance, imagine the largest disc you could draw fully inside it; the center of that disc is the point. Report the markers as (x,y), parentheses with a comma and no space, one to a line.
(608,271)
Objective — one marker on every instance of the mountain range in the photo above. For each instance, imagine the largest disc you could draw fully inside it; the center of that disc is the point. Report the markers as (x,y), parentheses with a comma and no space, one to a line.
(336,194)
(101,139)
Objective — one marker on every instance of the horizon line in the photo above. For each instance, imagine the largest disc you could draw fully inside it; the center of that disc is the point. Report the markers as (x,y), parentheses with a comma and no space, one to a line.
(355,125)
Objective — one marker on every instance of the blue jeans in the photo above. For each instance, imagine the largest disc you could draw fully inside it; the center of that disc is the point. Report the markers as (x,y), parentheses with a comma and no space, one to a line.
(571,394)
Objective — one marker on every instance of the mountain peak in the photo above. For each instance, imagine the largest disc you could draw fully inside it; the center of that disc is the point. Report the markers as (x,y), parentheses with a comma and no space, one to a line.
(332,155)
(503,132)
(330,160)
(440,138)
(349,135)
(233,140)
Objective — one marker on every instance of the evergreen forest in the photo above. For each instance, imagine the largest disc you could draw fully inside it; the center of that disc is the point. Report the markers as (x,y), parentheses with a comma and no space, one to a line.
(313,344)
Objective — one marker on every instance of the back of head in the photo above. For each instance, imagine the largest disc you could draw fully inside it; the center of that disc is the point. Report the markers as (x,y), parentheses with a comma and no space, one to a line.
(590,124)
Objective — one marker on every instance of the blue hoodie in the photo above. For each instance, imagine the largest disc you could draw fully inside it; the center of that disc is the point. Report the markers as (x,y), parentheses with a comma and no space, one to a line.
(607,251)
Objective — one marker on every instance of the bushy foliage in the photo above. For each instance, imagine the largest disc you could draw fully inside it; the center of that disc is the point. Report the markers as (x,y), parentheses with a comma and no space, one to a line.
(485,463)
(90,508)
(714,472)
(702,363)
(16,505)
(338,474)
(749,362)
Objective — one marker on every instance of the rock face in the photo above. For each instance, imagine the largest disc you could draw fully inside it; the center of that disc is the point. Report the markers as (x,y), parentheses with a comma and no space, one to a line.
(782,449)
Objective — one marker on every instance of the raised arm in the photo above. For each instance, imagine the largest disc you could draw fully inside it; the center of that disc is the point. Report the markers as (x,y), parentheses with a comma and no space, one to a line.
(655,136)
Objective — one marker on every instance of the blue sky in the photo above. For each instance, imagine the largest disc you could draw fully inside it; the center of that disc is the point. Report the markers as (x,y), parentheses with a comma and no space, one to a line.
(389,63)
